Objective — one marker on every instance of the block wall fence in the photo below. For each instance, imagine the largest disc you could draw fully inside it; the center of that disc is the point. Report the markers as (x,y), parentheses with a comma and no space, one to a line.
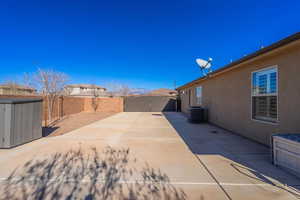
(65,105)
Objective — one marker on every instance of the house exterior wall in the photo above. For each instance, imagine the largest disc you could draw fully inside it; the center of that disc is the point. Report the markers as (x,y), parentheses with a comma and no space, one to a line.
(75,91)
(228,96)
(86,91)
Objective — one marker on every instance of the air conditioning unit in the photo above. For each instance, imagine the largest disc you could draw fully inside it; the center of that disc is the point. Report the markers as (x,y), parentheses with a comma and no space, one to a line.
(198,114)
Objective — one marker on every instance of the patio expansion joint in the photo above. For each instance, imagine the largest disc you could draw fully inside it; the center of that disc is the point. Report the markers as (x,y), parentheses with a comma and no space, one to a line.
(5,179)
(74,138)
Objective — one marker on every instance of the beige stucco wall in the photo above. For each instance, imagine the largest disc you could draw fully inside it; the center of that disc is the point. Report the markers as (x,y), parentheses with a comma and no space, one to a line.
(105,104)
(228,96)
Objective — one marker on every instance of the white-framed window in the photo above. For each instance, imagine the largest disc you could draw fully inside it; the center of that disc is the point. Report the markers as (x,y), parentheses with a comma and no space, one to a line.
(264,95)
(199,95)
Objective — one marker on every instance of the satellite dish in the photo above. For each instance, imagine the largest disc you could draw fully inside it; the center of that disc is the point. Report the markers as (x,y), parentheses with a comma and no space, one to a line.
(204,65)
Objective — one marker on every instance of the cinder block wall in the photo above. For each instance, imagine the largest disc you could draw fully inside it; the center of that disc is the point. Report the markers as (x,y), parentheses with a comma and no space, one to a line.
(71,105)
(106,104)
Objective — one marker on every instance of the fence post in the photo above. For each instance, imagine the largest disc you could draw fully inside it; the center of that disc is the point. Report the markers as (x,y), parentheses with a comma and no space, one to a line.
(61,106)
(45,108)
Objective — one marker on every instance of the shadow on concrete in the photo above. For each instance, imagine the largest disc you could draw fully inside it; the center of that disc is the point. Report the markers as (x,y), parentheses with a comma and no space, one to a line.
(47,130)
(77,174)
(170,106)
(248,158)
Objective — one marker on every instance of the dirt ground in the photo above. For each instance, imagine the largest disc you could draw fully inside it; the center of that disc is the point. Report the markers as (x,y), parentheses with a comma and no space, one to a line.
(73,122)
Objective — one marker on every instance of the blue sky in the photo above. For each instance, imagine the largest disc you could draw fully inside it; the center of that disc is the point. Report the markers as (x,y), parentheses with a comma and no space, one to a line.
(145,44)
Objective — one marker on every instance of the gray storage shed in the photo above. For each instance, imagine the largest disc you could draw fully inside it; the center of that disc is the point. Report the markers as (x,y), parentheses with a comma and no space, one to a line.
(20,121)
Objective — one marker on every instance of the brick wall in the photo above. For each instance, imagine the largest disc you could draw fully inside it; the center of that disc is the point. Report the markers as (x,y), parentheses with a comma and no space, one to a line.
(72,105)
(106,104)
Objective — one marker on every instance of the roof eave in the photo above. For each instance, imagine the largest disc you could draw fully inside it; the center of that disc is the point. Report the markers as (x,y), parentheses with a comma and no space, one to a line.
(260,52)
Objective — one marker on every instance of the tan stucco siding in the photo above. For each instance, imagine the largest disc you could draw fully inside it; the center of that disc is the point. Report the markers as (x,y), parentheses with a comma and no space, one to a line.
(228,96)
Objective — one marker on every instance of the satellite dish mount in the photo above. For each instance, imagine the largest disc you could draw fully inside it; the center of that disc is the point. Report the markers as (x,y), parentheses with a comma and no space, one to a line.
(205,65)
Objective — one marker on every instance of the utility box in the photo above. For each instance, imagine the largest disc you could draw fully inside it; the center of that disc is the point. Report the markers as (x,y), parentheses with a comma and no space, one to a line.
(20,121)
(286,152)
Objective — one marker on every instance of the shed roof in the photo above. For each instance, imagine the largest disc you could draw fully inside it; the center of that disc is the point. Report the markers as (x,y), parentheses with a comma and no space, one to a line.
(19,100)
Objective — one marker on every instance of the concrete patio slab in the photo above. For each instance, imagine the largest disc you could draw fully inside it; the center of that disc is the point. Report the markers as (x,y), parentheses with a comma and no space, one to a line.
(241,166)
(146,155)
(152,143)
